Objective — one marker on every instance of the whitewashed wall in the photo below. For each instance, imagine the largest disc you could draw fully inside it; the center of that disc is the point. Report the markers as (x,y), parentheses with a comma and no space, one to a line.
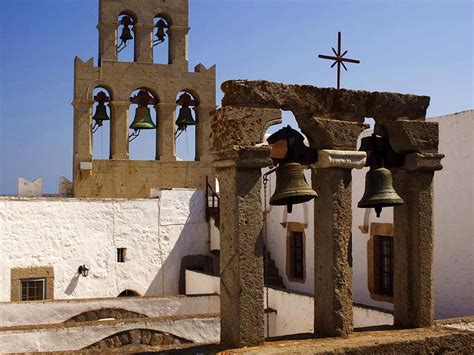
(59,311)
(68,232)
(276,236)
(454,217)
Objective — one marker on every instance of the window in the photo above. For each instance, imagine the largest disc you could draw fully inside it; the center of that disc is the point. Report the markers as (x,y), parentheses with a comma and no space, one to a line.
(380,264)
(32,283)
(121,255)
(295,259)
(384,265)
(32,290)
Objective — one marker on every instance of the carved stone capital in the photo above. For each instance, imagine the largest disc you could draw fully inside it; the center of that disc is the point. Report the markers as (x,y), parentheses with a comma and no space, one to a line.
(241,126)
(423,162)
(411,136)
(332,134)
(342,159)
(243,157)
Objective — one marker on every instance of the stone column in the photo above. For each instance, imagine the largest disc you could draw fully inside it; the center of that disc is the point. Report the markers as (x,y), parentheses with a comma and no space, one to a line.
(333,228)
(414,241)
(203,127)
(82,133)
(241,250)
(119,130)
(144,43)
(178,51)
(165,142)
(107,40)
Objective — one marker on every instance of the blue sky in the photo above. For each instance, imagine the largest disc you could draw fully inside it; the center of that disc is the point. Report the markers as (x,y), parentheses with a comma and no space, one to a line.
(419,47)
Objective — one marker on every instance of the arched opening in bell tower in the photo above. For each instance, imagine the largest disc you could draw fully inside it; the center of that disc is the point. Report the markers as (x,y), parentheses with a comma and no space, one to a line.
(187,112)
(161,39)
(126,37)
(143,123)
(101,120)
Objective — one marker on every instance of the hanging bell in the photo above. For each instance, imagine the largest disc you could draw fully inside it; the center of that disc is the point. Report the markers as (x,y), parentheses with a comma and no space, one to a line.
(379,191)
(185,118)
(100,114)
(291,186)
(142,119)
(160,30)
(126,34)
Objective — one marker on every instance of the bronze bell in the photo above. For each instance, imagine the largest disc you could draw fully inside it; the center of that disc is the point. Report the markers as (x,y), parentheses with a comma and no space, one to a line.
(100,114)
(160,30)
(379,191)
(142,119)
(185,118)
(291,186)
(126,34)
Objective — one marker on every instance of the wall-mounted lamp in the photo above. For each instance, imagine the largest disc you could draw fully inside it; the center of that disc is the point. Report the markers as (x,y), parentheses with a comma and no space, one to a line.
(83,270)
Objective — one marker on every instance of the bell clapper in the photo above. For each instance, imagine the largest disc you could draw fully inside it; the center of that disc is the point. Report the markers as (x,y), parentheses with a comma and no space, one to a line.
(378,210)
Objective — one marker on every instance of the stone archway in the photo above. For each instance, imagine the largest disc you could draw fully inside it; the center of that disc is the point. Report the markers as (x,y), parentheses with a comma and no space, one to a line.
(144,337)
(104,313)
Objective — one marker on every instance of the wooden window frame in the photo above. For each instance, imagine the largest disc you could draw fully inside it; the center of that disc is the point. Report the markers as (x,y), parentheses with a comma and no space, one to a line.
(31,273)
(43,288)
(377,230)
(294,227)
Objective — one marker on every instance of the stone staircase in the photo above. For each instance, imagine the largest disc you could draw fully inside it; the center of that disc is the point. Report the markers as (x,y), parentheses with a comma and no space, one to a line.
(271,273)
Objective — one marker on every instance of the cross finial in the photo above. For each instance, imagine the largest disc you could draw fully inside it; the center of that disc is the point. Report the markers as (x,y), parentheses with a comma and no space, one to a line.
(339,59)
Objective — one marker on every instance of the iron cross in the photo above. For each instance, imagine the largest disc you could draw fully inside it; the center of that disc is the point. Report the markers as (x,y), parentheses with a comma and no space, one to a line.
(339,59)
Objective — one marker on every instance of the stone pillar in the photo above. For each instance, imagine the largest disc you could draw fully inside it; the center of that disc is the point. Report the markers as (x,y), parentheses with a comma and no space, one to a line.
(203,125)
(119,130)
(178,51)
(414,241)
(241,255)
(107,40)
(82,133)
(165,142)
(144,43)
(333,228)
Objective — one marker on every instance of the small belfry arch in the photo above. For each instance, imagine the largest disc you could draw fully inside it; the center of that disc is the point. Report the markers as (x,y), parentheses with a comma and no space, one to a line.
(126,36)
(161,39)
(143,120)
(187,118)
(101,118)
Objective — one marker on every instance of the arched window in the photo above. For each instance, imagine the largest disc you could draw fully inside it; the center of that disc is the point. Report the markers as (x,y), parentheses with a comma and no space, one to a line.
(101,117)
(186,122)
(126,37)
(143,122)
(129,293)
(161,39)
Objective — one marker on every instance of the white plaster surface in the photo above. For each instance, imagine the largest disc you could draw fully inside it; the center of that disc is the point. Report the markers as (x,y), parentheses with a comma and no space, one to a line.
(295,313)
(198,283)
(27,188)
(454,222)
(276,235)
(49,312)
(199,330)
(67,232)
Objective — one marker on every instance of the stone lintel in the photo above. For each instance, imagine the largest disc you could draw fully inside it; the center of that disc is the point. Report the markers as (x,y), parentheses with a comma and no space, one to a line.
(423,162)
(244,157)
(340,159)
(79,102)
(241,126)
(342,104)
(331,134)
(411,136)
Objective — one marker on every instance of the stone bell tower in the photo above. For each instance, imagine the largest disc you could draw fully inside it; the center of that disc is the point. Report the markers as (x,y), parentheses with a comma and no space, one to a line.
(119,176)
